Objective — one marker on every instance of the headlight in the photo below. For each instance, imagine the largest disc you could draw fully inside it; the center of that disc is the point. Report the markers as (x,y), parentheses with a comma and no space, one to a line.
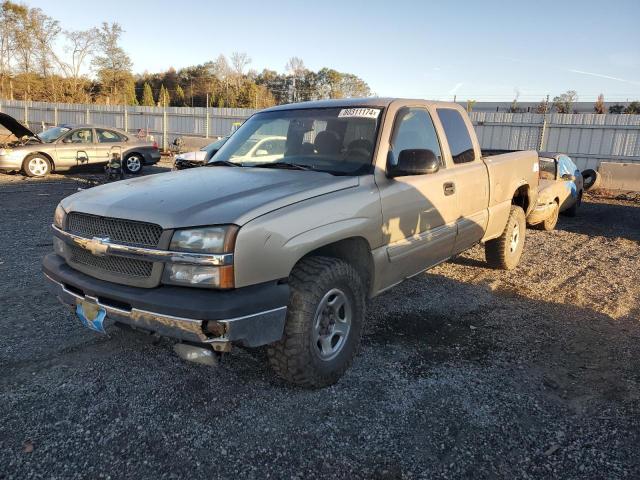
(58,217)
(199,275)
(218,240)
(205,240)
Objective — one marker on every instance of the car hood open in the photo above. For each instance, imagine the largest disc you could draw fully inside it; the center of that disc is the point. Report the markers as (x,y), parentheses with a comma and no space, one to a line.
(205,196)
(15,127)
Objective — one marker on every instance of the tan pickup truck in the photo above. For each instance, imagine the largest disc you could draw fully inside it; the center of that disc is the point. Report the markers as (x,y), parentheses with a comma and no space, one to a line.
(284,250)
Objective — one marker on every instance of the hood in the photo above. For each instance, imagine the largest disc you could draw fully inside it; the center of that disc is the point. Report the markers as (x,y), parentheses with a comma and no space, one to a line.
(15,127)
(205,196)
(197,156)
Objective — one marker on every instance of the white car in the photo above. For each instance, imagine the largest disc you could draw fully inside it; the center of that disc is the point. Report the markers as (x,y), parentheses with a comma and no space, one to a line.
(260,148)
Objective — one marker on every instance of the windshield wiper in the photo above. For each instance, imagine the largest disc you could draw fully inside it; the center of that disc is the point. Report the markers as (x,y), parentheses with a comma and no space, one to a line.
(287,165)
(223,163)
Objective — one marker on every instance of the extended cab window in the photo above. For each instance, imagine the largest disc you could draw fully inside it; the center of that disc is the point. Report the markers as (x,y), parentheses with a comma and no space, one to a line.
(414,130)
(457,134)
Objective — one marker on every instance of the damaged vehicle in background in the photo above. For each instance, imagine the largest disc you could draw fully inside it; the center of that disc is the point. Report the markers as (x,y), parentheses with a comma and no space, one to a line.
(199,157)
(560,190)
(66,146)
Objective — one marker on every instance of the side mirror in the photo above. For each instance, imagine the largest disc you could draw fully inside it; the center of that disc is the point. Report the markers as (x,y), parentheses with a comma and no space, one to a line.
(568,177)
(414,162)
(66,140)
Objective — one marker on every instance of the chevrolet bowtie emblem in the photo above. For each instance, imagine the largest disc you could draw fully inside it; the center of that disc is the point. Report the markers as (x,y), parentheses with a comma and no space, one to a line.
(98,246)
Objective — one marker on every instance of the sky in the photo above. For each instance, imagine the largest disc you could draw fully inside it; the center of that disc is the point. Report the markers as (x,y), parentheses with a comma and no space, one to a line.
(483,50)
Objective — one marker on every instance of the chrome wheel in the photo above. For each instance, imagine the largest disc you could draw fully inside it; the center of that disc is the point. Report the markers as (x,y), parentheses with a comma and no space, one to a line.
(134,164)
(331,324)
(515,238)
(38,166)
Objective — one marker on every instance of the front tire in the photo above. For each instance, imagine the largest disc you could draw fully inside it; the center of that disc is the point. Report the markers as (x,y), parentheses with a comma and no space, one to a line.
(133,164)
(36,166)
(550,223)
(573,210)
(505,251)
(324,323)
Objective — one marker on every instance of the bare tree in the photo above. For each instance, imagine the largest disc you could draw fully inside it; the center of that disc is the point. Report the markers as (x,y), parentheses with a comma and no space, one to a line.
(239,61)
(295,66)
(564,103)
(599,105)
(113,65)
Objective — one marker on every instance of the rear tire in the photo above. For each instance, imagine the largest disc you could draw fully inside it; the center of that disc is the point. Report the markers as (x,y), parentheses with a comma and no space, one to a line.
(36,165)
(324,323)
(133,164)
(505,251)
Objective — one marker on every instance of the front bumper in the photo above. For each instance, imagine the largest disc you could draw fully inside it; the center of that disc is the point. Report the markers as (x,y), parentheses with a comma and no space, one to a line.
(251,316)
(540,213)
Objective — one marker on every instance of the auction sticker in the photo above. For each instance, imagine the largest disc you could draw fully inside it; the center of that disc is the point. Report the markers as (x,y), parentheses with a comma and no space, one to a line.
(359,113)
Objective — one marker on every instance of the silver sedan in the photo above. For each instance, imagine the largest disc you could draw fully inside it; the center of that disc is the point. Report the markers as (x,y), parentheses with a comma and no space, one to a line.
(66,146)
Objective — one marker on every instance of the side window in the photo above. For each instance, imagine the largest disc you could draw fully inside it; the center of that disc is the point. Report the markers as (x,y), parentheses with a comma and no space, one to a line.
(457,135)
(108,136)
(414,130)
(84,135)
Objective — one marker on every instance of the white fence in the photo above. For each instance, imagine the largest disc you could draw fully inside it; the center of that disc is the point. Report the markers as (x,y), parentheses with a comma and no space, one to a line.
(165,123)
(587,138)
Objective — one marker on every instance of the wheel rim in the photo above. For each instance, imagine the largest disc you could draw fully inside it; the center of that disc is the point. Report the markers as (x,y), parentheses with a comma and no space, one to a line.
(331,325)
(38,166)
(133,164)
(515,238)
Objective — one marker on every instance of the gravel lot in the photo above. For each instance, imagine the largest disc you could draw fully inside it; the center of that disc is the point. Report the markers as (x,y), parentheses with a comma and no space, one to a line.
(465,372)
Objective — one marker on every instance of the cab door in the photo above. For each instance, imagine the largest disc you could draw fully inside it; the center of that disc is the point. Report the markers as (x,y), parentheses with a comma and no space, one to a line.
(471,178)
(419,211)
(76,148)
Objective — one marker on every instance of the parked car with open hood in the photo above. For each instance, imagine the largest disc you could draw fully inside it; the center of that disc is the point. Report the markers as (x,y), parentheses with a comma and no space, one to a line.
(560,190)
(283,248)
(66,146)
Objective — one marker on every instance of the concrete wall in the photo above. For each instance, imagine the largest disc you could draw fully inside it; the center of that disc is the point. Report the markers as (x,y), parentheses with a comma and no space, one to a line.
(620,176)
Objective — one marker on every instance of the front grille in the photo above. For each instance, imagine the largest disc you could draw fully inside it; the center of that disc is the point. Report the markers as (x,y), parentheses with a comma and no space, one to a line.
(127,232)
(116,265)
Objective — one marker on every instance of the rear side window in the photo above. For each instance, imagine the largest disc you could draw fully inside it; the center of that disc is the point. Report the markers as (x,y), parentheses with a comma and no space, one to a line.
(108,136)
(415,130)
(457,135)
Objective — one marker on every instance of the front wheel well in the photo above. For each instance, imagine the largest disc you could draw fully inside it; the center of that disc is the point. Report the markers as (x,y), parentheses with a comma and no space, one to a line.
(354,251)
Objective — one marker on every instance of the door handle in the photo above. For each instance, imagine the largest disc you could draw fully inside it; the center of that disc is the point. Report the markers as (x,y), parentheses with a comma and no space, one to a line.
(449,188)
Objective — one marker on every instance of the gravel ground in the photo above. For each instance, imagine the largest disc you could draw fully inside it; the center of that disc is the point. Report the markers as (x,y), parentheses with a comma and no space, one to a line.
(465,372)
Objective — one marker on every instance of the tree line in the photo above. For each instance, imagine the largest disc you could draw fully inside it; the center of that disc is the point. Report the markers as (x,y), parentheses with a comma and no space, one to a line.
(92,67)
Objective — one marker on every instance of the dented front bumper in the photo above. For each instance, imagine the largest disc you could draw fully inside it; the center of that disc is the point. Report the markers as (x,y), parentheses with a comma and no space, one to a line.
(250,316)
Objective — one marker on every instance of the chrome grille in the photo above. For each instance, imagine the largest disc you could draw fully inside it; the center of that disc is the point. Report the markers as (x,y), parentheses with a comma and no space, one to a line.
(127,232)
(118,265)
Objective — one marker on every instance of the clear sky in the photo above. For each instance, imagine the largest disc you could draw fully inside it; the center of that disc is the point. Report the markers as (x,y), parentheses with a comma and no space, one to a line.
(475,49)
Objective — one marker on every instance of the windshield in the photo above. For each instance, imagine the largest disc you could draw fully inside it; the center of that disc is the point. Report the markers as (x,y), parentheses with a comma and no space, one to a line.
(334,140)
(52,134)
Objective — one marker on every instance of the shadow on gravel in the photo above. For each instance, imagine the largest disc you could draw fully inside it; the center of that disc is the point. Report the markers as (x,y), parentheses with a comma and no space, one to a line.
(576,356)
(596,219)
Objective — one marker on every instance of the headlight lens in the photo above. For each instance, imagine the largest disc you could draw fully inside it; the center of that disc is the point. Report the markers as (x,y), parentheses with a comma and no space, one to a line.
(216,240)
(205,240)
(58,217)
(199,275)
